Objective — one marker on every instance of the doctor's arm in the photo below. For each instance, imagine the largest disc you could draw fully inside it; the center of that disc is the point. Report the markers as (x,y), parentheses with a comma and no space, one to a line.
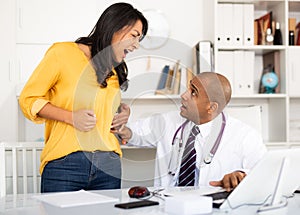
(145,132)
(124,133)
(252,151)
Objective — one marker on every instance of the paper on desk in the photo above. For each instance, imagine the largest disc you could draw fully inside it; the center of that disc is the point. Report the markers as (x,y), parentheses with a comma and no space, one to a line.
(182,191)
(76,198)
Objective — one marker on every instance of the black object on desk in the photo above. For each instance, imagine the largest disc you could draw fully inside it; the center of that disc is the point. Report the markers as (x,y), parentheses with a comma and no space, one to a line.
(218,196)
(136,204)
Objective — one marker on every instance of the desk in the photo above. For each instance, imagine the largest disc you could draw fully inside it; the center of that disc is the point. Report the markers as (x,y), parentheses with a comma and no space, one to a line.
(25,205)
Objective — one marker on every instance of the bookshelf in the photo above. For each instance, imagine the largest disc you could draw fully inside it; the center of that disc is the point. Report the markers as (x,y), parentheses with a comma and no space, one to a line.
(280,111)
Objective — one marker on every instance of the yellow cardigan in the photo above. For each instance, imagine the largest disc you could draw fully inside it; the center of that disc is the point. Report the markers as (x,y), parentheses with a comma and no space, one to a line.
(66,79)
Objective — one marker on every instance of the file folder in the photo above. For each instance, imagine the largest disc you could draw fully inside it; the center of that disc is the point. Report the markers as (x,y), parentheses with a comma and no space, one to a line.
(238,22)
(248,80)
(224,24)
(248,24)
(206,56)
(203,57)
(225,66)
(238,85)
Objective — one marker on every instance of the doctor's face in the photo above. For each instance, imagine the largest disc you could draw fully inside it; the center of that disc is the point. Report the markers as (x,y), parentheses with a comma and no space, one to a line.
(195,103)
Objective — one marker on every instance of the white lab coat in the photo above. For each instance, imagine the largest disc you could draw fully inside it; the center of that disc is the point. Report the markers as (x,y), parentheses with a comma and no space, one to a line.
(241,146)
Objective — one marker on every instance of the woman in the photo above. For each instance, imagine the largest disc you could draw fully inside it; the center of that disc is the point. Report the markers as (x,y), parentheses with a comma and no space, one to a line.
(75,90)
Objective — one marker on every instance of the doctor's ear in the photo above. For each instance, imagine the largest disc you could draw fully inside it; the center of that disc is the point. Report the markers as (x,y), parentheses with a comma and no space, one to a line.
(213,107)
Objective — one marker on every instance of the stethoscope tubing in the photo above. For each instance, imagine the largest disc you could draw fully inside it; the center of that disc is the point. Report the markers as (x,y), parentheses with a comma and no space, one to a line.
(211,154)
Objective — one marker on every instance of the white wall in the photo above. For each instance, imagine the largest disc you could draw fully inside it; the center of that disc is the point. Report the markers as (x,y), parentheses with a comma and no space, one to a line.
(187,27)
(31,26)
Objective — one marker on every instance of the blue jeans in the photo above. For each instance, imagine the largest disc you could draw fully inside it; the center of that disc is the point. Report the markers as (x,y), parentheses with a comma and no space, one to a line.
(82,170)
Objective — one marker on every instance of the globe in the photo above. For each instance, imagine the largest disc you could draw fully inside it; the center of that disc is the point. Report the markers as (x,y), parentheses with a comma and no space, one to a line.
(270,81)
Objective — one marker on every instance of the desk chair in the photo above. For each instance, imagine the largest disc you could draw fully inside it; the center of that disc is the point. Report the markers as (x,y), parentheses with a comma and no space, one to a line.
(250,115)
(19,167)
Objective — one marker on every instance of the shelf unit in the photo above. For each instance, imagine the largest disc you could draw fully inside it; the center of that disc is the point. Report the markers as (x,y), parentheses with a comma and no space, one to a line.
(281,120)
(280,112)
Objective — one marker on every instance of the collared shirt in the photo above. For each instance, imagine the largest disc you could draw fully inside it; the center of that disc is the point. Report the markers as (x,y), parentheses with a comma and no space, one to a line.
(241,146)
(66,79)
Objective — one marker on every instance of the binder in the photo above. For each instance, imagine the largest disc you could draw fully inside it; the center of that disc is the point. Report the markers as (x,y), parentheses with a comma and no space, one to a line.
(243,72)
(163,78)
(238,68)
(220,26)
(196,63)
(248,80)
(248,24)
(183,80)
(203,57)
(175,78)
(238,22)
(177,82)
(225,66)
(224,24)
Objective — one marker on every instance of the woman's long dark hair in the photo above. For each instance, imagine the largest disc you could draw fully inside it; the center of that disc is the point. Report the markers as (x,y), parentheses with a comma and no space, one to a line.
(113,19)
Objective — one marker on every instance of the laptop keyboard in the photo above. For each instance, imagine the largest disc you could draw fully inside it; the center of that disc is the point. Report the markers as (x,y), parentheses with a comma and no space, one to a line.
(219,195)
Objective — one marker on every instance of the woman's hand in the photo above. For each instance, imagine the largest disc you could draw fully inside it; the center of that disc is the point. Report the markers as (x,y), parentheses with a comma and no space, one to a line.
(121,118)
(84,120)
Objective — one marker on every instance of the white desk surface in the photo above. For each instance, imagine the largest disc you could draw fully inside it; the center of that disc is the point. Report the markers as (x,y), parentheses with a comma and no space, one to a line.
(26,205)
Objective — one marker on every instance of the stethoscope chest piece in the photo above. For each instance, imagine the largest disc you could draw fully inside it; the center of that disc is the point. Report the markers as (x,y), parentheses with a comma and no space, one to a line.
(208,158)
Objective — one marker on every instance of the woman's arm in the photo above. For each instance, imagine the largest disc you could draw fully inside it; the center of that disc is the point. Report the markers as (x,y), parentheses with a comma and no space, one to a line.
(83,120)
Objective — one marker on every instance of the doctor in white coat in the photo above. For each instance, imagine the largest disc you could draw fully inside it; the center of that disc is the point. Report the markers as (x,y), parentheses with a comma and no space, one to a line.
(226,148)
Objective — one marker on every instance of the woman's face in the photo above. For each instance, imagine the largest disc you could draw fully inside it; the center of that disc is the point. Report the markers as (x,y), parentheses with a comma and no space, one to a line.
(126,40)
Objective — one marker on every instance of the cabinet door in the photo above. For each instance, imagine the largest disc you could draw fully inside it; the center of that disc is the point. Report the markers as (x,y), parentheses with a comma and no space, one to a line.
(294,71)
(44,21)
(28,57)
(8,103)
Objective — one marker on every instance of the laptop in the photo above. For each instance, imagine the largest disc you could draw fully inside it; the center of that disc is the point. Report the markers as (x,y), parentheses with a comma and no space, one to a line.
(277,175)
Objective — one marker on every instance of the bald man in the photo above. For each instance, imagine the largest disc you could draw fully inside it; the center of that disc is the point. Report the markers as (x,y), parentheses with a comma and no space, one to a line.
(201,145)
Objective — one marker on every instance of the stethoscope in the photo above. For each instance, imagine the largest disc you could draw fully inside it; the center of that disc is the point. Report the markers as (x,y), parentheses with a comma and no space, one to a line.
(208,158)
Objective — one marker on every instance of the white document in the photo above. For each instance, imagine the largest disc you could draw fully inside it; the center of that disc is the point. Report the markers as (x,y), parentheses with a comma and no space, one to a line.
(187,191)
(248,24)
(238,21)
(72,199)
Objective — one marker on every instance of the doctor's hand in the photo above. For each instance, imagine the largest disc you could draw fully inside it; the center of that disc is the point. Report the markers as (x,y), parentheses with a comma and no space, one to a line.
(124,133)
(121,118)
(229,181)
(84,120)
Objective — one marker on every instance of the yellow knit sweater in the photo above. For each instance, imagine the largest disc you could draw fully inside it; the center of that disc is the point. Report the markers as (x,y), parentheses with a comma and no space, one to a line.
(66,79)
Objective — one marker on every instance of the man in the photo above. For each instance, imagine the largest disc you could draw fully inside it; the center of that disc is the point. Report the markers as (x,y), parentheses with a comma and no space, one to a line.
(201,145)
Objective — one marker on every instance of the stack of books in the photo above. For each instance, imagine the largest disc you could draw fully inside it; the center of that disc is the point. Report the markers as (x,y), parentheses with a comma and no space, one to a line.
(295,30)
(172,79)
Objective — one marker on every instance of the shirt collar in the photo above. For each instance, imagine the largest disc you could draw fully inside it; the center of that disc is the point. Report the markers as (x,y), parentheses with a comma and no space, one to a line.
(205,128)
